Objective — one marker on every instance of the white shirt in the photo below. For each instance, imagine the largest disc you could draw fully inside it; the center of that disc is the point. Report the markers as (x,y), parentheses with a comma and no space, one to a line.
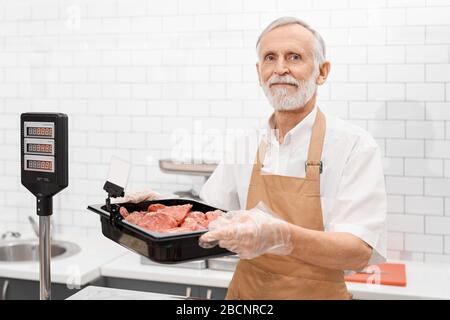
(353,193)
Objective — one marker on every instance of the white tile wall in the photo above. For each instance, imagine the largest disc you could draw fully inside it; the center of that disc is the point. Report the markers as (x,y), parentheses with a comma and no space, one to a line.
(130,72)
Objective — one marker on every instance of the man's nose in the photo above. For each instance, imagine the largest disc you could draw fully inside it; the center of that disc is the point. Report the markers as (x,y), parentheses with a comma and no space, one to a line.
(281,67)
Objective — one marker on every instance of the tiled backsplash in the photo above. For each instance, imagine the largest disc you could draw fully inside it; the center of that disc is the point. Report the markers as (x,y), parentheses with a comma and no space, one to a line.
(130,72)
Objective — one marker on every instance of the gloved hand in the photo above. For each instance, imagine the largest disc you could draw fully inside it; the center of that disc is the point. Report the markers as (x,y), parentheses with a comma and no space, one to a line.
(250,234)
(141,196)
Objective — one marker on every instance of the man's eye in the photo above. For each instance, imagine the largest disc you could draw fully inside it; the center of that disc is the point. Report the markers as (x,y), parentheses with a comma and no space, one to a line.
(295,57)
(270,58)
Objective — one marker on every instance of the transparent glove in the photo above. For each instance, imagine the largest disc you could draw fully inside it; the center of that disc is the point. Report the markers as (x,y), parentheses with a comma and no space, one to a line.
(250,234)
(141,196)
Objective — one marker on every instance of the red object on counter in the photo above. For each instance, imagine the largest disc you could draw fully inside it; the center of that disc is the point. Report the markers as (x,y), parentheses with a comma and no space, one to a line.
(390,274)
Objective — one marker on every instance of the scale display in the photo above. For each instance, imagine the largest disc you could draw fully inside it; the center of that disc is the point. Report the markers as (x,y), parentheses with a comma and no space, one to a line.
(39,129)
(40,146)
(39,164)
(44,144)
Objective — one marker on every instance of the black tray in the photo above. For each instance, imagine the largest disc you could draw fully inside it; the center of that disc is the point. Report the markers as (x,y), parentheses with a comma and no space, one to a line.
(158,247)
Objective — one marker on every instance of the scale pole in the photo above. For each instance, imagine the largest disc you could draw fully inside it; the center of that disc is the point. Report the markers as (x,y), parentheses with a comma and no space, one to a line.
(44,258)
(45,210)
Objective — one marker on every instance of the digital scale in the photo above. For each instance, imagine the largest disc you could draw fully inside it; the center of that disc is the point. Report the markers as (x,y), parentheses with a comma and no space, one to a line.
(44,167)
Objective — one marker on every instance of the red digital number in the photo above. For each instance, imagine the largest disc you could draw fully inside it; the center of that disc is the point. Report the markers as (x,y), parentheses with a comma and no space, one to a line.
(40,132)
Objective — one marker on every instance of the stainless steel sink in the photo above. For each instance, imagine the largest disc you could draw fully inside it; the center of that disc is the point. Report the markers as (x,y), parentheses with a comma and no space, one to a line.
(28,250)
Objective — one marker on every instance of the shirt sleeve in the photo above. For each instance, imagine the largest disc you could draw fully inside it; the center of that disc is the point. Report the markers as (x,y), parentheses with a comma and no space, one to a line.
(360,205)
(220,190)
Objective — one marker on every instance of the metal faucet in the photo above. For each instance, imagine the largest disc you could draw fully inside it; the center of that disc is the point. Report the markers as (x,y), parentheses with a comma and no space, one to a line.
(35,226)
(12,234)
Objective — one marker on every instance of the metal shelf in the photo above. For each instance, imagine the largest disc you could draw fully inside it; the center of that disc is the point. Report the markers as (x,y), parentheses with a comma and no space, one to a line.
(191,169)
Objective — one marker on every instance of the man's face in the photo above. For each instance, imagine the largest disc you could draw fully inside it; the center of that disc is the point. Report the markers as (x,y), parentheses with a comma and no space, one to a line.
(286,67)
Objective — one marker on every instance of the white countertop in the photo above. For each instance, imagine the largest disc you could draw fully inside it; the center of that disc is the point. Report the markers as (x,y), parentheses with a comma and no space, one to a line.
(99,293)
(75,271)
(425,281)
(129,267)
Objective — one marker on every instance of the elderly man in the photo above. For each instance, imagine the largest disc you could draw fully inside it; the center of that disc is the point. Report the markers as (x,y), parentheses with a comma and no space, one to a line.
(313,204)
(323,184)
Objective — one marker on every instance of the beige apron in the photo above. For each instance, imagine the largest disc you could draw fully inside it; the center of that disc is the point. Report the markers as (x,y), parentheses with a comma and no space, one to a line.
(296,200)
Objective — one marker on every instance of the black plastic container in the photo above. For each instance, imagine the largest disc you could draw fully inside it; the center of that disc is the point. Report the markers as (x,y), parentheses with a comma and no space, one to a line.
(158,247)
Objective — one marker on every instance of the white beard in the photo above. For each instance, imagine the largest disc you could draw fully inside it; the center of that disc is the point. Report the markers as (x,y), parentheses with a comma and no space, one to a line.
(282,100)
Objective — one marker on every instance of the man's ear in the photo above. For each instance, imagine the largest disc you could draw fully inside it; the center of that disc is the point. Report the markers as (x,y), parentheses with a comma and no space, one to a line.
(324,72)
(257,71)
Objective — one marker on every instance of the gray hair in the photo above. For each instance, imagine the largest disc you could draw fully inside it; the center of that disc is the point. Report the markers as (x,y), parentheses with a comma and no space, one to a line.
(319,48)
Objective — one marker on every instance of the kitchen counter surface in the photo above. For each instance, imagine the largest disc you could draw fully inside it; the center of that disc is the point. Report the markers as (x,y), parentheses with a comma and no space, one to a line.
(430,281)
(129,267)
(425,281)
(99,293)
(74,271)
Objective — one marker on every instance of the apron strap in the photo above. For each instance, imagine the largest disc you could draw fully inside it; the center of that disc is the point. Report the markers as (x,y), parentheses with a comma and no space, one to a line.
(261,154)
(314,164)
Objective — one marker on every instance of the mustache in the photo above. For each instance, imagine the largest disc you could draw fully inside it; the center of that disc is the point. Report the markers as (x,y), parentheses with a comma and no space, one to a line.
(282,80)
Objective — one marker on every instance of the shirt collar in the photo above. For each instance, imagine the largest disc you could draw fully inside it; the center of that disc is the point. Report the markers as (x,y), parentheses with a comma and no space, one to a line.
(302,129)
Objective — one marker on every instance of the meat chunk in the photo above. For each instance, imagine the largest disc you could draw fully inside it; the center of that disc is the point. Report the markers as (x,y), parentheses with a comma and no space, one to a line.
(170,219)
(135,217)
(199,217)
(158,222)
(179,213)
(156,207)
(213,215)
(124,212)
(192,224)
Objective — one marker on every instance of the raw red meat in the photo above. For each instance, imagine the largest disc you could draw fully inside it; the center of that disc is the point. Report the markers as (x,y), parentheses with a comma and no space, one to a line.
(156,207)
(124,212)
(213,215)
(179,213)
(192,224)
(199,217)
(170,219)
(158,222)
(135,217)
